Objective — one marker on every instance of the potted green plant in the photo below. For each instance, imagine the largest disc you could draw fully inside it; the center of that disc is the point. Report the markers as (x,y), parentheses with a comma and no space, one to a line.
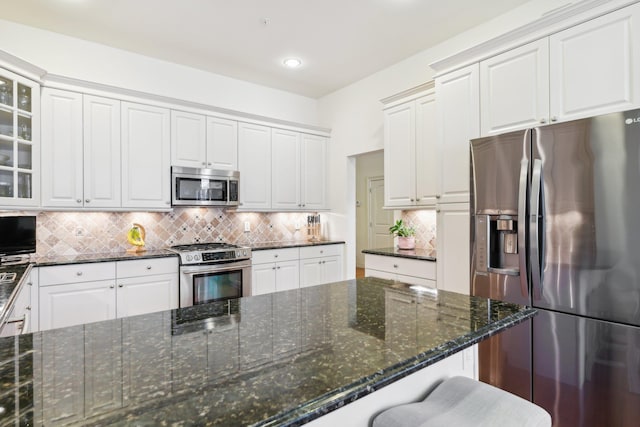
(405,234)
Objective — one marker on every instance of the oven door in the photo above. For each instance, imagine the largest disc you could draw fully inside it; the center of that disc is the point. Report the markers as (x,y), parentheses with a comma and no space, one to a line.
(207,283)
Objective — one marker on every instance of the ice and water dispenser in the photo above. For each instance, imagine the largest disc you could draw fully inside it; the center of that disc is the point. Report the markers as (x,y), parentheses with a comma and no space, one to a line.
(497,244)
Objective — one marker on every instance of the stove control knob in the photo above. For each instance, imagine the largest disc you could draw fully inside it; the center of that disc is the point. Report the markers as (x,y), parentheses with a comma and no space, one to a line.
(196,257)
(189,257)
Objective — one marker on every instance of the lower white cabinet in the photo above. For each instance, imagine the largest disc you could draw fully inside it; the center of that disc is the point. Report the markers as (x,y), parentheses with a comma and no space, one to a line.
(84,293)
(411,271)
(453,247)
(321,264)
(273,277)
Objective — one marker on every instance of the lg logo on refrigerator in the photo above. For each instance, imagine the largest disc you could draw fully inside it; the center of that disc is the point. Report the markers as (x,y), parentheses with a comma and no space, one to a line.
(631,121)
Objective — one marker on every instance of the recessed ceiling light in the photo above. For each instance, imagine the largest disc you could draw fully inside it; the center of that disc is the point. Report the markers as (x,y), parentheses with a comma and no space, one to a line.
(292,62)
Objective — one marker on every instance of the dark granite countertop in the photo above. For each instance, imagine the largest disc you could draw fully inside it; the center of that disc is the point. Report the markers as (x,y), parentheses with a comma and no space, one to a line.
(277,359)
(291,244)
(42,261)
(417,253)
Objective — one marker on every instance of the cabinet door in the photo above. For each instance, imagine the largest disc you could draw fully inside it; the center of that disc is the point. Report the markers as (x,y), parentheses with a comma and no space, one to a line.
(332,269)
(263,279)
(453,248)
(102,183)
(287,275)
(77,303)
(254,161)
(188,140)
(313,170)
(147,294)
(426,151)
(458,121)
(62,357)
(399,153)
(594,66)
(222,144)
(145,157)
(514,89)
(310,272)
(285,170)
(62,172)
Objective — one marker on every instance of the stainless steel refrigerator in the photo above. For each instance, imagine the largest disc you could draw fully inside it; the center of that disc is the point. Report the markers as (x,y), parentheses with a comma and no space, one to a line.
(555,224)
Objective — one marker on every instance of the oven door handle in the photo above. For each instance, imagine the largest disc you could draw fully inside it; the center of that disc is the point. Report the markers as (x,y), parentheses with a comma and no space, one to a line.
(194,271)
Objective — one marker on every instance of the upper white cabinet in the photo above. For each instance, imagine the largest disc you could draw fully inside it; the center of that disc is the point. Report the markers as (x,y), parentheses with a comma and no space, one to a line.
(199,141)
(145,156)
(514,89)
(594,66)
(254,161)
(410,151)
(313,165)
(586,70)
(19,140)
(458,121)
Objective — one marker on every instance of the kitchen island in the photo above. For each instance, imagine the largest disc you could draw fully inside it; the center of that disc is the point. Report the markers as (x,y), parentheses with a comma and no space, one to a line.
(279,359)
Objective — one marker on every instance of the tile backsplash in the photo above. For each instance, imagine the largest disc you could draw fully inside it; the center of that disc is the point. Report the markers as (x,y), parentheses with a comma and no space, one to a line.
(424,222)
(73,233)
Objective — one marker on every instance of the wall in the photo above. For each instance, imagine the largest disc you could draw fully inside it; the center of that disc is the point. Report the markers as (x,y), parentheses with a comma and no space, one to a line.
(80,59)
(424,222)
(354,113)
(104,232)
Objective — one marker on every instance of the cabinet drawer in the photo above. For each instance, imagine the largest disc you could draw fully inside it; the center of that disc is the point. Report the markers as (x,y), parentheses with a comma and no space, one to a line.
(404,266)
(77,273)
(273,255)
(320,251)
(146,267)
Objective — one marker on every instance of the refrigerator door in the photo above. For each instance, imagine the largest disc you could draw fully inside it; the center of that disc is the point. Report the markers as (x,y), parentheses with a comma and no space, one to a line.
(586,371)
(587,246)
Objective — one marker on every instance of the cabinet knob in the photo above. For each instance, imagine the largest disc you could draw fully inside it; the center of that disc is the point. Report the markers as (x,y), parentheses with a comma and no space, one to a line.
(167,203)
(209,164)
(275,256)
(395,265)
(204,163)
(438,210)
(319,262)
(78,200)
(87,200)
(273,268)
(554,119)
(411,200)
(303,205)
(121,285)
(79,273)
(321,252)
(148,267)
(417,199)
(278,267)
(437,196)
(543,120)
(28,307)
(111,286)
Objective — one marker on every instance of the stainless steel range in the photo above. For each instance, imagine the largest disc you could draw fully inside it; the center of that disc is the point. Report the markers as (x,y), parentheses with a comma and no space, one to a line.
(212,272)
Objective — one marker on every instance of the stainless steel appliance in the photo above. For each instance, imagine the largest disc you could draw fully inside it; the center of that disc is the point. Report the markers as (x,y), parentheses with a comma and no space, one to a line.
(555,223)
(17,235)
(204,187)
(211,272)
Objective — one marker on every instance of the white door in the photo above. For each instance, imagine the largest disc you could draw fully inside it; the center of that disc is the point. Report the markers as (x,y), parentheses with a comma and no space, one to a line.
(458,121)
(285,170)
(426,159)
(514,89)
(313,158)
(453,268)
(399,155)
(147,294)
(263,278)
(310,272)
(62,157)
(222,144)
(146,156)
(254,163)
(594,66)
(287,275)
(380,219)
(188,140)
(77,303)
(102,159)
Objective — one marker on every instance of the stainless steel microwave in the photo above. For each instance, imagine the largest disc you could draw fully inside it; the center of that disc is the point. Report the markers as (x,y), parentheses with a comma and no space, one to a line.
(204,187)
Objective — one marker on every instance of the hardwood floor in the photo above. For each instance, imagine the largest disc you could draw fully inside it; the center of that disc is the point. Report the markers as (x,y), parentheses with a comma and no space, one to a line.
(359,273)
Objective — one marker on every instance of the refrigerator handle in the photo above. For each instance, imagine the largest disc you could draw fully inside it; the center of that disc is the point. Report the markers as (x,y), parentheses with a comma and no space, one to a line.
(534,227)
(522,215)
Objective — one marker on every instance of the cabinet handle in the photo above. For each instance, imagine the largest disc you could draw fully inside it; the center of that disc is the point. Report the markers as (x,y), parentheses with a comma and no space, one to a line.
(87,200)
(437,196)
(209,164)
(395,265)
(148,267)
(278,267)
(78,200)
(417,199)
(120,285)
(111,286)
(28,307)
(554,119)
(543,120)
(321,252)
(437,210)
(275,256)
(273,268)
(304,205)
(411,200)
(79,273)
(319,262)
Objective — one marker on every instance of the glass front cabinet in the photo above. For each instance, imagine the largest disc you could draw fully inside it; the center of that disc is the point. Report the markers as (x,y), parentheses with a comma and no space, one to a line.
(19,141)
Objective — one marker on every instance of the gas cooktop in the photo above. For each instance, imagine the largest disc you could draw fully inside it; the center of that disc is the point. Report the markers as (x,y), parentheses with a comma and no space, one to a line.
(198,253)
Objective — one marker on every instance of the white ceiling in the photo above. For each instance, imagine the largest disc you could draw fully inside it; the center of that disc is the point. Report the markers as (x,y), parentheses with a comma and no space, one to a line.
(339,41)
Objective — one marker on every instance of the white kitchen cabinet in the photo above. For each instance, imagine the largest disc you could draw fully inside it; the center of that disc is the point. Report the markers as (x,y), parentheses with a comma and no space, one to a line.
(81,150)
(188,140)
(458,121)
(254,164)
(411,271)
(263,278)
(410,149)
(453,247)
(222,144)
(594,66)
(313,172)
(285,167)
(514,89)
(19,141)
(321,264)
(146,157)
(147,294)
(275,270)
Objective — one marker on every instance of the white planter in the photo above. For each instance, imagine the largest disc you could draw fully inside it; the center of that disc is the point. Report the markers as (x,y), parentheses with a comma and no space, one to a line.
(406,242)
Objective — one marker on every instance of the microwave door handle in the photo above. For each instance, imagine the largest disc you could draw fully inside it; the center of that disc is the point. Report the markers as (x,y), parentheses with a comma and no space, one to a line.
(522,216)
(537,245)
